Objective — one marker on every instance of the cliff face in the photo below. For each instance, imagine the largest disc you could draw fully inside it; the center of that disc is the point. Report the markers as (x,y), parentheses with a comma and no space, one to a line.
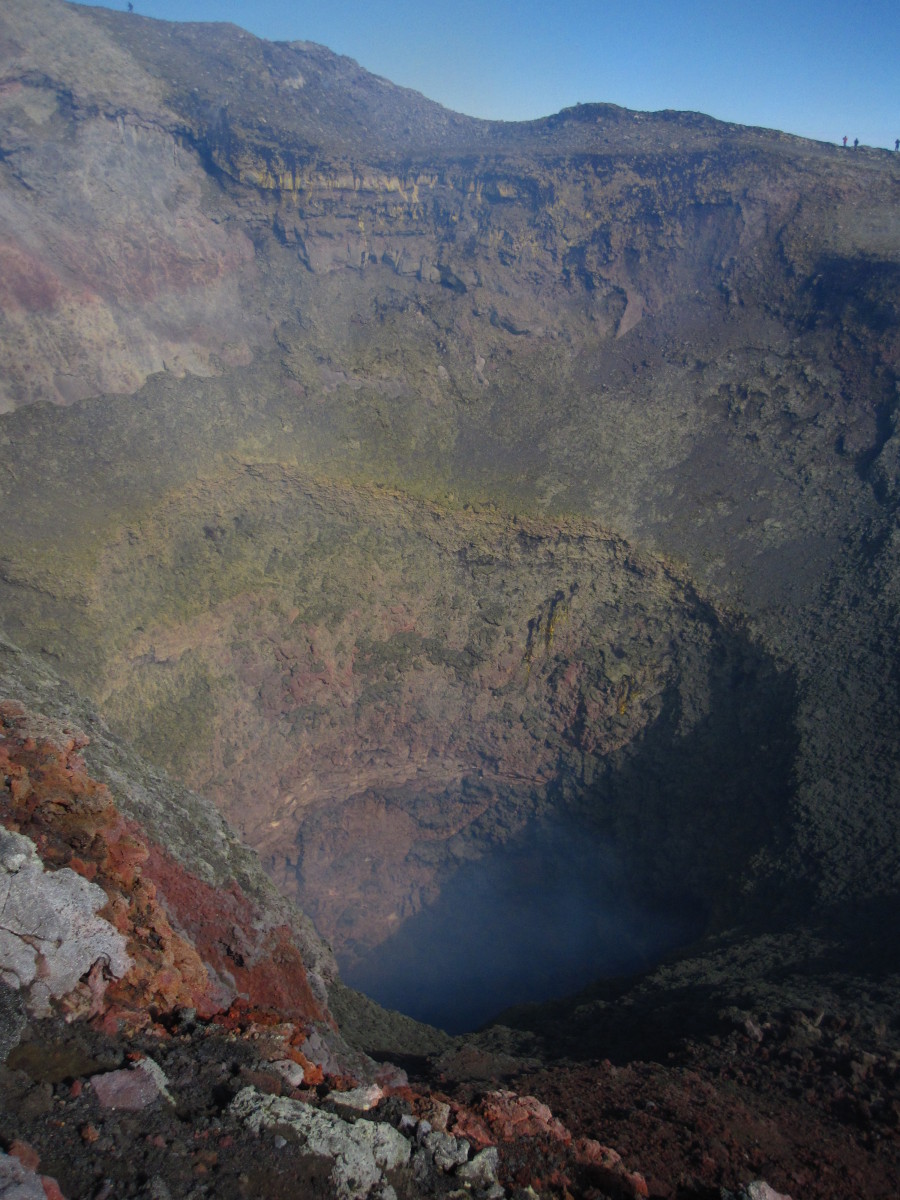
(416,486)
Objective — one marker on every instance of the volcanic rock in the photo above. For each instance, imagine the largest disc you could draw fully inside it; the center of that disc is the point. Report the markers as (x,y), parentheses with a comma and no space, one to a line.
(134,1088)
(18,1182)
(495,479)
(497,524)
(361,1152)
(50,935)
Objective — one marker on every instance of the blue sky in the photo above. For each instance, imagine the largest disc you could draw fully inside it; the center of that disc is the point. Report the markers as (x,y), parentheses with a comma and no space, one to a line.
(814,67)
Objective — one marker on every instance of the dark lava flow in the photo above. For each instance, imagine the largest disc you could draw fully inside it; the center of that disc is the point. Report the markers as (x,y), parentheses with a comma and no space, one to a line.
(532,921)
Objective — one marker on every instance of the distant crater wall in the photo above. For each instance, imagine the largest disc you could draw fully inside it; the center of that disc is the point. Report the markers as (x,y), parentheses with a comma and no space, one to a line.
(376,692)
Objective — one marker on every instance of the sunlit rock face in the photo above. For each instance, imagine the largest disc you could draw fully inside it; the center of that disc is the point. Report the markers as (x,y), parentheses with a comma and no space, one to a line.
(425,489)
(100,921)
(111,269)
(51,935)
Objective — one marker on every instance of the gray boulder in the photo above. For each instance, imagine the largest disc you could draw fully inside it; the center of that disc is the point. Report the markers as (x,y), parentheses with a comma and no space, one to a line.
(50,935)
(360,1151)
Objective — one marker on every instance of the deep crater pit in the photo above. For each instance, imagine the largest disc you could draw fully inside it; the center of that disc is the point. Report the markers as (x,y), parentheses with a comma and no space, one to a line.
(451,905)
(535,919)
(493,759)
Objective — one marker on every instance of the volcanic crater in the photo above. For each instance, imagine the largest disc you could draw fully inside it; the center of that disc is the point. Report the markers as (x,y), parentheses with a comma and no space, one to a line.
(496,522)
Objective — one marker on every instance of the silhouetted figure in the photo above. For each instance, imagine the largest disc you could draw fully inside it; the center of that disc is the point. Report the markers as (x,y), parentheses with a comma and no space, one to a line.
(845,140)
(855,143)
(897,143)
(130,6)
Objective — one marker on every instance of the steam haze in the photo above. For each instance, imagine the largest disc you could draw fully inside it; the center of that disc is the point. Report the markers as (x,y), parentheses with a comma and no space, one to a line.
(531,921)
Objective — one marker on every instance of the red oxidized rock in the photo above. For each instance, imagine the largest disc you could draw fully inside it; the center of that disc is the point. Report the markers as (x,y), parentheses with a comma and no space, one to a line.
(510,1116)
(261,965)
(59,807)
(26,1154)
(191,944)
(312,1073)
(466,1124)
(607,1170)
(125,855)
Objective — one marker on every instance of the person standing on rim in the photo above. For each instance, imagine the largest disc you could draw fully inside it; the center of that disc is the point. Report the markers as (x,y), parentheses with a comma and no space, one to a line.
(845,141)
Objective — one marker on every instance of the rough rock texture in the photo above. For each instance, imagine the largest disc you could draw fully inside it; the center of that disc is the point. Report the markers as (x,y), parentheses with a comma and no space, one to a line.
(18,1182)
(98,304)
(50,935)
(361,1152)
(135,1088)
(551,478)
(805,1101)
(439,496)
(147,828)
(162,939)
(140,1095)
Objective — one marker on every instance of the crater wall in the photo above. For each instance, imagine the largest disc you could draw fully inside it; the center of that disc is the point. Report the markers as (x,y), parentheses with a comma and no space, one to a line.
(403,481)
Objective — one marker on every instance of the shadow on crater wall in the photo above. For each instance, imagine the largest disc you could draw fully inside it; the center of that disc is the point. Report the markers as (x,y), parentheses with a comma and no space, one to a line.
(535,919)
(704,802)
(675,835)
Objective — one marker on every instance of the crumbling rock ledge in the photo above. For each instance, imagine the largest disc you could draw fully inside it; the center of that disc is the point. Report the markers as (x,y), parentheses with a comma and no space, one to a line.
(220,950)
(152,829)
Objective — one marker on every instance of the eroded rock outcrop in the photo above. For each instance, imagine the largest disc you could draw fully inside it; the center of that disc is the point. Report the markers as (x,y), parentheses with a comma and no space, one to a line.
(107,941)
(361,1152)
(398,382)
(50,934)
(118,929)
(168,1082)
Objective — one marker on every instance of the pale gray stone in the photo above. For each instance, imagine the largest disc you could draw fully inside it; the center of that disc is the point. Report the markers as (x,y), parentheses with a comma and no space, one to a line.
(360,1152)
(290,1071)
(18,1182)
(760,1190)
(361,1099)
(446,1150)
(757,1190)
(50,935)
(482,1170)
